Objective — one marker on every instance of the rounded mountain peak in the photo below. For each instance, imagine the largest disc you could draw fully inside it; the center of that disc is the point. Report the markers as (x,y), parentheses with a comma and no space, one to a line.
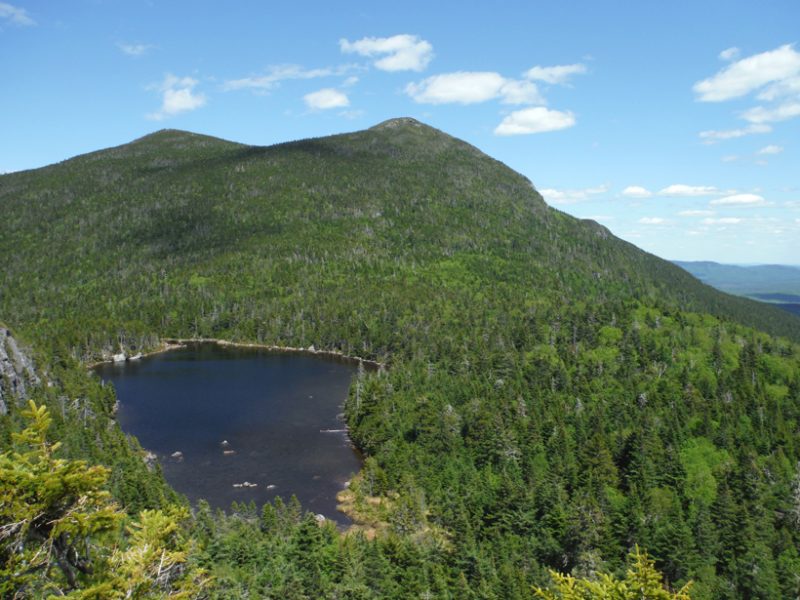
(398,122)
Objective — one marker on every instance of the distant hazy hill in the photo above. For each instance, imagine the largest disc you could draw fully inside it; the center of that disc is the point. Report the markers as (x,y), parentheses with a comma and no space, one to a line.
(746,281)
(777,284)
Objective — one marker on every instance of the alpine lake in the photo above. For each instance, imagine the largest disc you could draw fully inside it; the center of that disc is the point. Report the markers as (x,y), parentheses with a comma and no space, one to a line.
(241,424)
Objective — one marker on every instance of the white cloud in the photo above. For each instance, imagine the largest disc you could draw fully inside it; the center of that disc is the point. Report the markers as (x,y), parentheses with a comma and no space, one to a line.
(135,49)
(636,191)
(558,74)
(771,149)
(785,87)
(398,53)
(723,221)
(326,98)
(520,92)
(682,190)
(15,15)
(652,221)
(729,54)
(729,158)
(471,87)
(177,97)
(534,120)
(748,74)
(275,74)
(350,81)
(555,196)
(695,213)
(759,114)
(739,200)
(712,136)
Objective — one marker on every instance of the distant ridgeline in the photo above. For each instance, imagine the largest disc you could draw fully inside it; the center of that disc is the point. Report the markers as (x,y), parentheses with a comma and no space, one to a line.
(776,284)
(554,395)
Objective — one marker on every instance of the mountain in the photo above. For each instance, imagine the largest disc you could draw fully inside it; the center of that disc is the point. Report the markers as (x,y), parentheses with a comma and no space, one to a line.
(554,394)
(374,207)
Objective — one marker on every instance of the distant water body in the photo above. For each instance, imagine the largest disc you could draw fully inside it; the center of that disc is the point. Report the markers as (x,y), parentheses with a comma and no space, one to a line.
(218,417)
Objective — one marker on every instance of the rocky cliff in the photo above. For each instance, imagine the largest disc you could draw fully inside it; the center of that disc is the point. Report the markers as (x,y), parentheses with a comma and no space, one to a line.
(17,372)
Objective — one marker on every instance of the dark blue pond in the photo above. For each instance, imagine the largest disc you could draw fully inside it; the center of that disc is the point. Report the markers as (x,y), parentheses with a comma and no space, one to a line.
(218,417)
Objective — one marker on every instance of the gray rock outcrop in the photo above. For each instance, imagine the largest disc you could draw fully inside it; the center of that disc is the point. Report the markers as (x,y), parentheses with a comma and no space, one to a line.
(17,372)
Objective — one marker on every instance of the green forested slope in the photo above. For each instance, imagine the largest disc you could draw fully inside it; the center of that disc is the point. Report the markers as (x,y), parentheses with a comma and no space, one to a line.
(555,395)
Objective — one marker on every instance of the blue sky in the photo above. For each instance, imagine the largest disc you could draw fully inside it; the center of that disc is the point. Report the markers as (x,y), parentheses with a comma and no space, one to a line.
(675,124)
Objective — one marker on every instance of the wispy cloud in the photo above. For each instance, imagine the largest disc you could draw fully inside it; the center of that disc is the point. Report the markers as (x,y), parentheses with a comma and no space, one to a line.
(739,200)
(636,191)
(474,87)
(713,136)
(572,196)
(177,96)
(695,213)
(729,54)
(325,99)
(402,52)
(683,190)
(749,74)
(782,112)
(470,87)
(352,114)
(135,50)
(653,221)
(771,149)
(723,221)
(775,75)
(535,120)
(275,74)
(15,15)
(558,74)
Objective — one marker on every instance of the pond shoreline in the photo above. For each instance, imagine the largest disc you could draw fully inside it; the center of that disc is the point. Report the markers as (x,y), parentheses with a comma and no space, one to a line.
(238,450)
(168,344)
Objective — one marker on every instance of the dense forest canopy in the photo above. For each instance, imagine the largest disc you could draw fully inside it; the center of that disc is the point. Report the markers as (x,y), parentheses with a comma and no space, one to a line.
(554,397)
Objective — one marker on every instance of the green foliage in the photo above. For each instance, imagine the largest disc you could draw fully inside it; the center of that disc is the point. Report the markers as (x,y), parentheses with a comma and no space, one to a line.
(554,395)
(701,460)
(641,582)
(52,510)
(60,536)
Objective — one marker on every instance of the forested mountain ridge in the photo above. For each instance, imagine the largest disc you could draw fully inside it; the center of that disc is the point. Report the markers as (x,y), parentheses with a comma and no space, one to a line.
(401,191)
(555,395)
